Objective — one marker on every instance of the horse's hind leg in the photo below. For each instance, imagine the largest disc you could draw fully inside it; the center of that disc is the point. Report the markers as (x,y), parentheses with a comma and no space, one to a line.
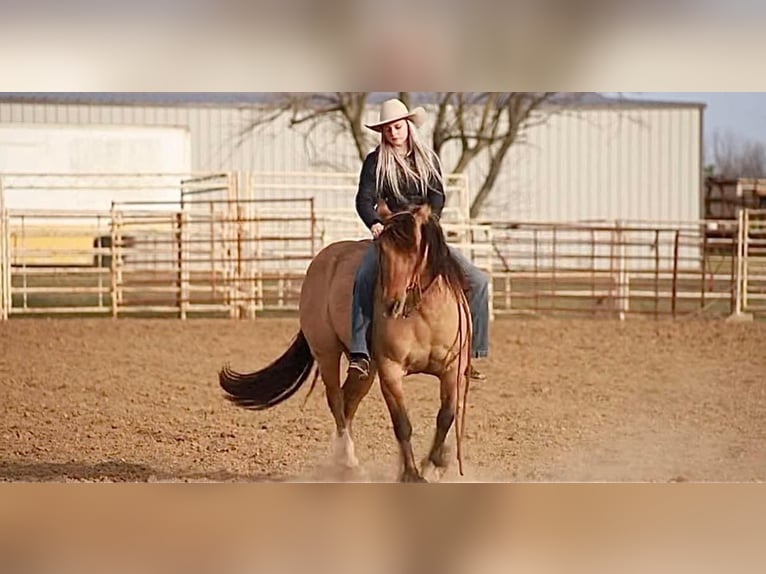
(391,386)
(352,393)
(437,459)
(329,367)
(354,390)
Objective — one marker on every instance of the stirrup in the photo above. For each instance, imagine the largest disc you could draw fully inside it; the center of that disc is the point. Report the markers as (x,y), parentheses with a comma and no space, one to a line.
(476,375)
(361,365)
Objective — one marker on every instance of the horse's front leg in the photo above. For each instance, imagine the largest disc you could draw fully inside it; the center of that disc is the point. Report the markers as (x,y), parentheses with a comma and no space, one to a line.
(391,385)
(436,461)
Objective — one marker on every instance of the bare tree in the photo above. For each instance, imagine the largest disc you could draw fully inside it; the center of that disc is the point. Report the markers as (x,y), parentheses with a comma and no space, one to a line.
(482,125)
(735,156)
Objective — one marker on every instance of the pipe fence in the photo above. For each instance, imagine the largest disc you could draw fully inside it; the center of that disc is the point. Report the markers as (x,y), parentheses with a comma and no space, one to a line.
(215,245)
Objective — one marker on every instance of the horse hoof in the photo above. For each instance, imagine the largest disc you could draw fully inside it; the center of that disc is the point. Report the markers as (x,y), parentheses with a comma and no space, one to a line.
(344,455)
(353,474)
(431,472)
(412,477)
(347,462)
(332,472)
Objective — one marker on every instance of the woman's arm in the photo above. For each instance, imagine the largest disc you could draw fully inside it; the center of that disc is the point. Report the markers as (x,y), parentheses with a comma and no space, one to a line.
(436,197)
(366,195)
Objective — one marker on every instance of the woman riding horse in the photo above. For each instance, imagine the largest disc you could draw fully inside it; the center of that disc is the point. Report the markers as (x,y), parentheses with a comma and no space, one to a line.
(409,261)
(403,173)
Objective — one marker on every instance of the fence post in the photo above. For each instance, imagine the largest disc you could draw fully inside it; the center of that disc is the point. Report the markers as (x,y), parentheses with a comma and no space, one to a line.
(186,259)
(231,267)
(8,266)
(734,271)
(656,273)
(593,268)
(552,302)
(249,287)
(7,277)
(535,289)
(490,268)
(113,261)
(238,268)
(622,280)
(182,286)
(738,308)
(745,259)
(675,273)
(613,283)
(258,276)
(4,263)
(704,267)
(23,248)
(211,251)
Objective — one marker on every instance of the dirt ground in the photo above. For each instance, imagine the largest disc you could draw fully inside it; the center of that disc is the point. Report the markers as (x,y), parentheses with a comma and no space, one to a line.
(566,400)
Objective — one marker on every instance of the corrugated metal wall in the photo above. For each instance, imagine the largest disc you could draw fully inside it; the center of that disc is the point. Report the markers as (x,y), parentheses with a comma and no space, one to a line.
(218,142)
(585,164)
(640,164)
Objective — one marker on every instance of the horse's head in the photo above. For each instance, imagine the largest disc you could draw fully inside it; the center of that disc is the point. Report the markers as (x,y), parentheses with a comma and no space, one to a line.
(403,255)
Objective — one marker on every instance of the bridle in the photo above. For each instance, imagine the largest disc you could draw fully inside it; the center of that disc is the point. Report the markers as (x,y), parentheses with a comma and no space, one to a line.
(414,284)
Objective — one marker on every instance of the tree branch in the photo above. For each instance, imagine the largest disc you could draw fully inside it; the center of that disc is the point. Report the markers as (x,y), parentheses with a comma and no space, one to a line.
(483,125)
(440,135)
(294,121)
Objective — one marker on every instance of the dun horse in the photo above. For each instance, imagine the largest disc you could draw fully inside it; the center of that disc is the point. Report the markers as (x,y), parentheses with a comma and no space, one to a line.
(421,325)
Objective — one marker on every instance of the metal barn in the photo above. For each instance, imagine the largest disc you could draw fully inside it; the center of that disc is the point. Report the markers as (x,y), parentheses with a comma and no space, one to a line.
(593,159)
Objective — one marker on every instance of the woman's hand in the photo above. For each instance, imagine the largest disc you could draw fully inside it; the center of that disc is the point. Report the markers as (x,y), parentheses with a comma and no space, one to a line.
(377,229)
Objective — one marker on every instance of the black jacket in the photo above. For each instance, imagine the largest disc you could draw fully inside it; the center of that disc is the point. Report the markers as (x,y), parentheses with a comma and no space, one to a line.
(367,195)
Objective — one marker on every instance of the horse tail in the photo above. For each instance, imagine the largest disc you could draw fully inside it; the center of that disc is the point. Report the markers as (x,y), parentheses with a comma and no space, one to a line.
(273,384)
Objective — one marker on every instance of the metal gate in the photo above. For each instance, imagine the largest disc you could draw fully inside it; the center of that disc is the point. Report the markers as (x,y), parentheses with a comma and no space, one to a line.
(751,262)
(213,253)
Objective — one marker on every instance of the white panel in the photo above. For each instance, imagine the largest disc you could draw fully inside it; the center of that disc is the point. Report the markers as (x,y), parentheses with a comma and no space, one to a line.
(73,149)
(49,149)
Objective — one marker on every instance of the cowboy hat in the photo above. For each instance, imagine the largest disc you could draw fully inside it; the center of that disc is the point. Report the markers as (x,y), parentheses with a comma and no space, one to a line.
(394,110)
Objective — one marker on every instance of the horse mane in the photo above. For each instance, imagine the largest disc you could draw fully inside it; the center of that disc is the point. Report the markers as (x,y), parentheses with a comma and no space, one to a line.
(400,232)
(441,262)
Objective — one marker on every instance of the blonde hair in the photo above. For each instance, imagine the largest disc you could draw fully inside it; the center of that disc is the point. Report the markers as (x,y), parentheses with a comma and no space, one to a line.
(427,167)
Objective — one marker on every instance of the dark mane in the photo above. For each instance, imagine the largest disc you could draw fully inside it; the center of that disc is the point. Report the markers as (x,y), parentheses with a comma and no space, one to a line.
(400,233)
(441,263)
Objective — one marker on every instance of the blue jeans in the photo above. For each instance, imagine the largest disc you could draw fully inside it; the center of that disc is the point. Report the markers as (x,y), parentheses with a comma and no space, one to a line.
(364,294)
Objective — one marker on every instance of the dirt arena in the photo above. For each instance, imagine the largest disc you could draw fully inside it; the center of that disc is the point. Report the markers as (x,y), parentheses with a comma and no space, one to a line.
(138,400)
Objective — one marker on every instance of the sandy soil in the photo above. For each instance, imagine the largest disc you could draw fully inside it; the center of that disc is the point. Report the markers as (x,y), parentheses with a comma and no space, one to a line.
(138,400)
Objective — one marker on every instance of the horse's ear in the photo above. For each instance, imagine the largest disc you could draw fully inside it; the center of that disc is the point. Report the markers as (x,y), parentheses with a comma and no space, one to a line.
(422,213)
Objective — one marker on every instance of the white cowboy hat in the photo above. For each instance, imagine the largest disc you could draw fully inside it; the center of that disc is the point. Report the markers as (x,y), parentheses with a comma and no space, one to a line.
(394,110)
